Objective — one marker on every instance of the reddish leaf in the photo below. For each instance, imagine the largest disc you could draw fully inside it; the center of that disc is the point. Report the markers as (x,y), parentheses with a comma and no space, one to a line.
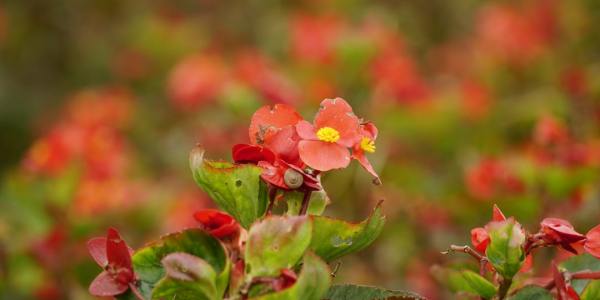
(97,249)
(105,285)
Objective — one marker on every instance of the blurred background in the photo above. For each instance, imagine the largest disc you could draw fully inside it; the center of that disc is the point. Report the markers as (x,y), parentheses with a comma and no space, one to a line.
(477,102)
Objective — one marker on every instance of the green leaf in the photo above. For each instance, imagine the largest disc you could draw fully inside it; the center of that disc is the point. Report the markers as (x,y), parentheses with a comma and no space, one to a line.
(505,251)
(592,291)
(237,189)
(532,292)
(479,284)
(334,238)
(147,262)
(316,206)
(581,263)
(360,292)
(312,284)
(275,243)
(188,278)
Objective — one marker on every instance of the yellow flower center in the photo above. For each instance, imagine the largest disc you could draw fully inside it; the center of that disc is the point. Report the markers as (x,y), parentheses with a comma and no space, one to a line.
(367,145)
(328,134)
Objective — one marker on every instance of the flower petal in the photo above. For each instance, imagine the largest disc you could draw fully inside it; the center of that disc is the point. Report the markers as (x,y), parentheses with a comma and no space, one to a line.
(370,130)
(497,215)
(560,231)
(97,249)
(105,286)
(480,239)
(337,113)
(364,162)
(244,153)
(592,244)
(117,251)
(306,130)
(267,120)
(285,144)
(323,156)
(217,223)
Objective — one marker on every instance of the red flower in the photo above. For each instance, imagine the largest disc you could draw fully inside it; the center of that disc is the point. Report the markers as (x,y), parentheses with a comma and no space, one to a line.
(550,131)
(324,145)
(559,231)
(218,224)
(592,243)
(275,148)
(490,177)
(368,133)
(114,256)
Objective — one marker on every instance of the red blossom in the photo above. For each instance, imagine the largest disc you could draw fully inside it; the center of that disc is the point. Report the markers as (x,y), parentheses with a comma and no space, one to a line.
(561,232)
(114,256)
(196,80)
(324,145)
(592,242)
(218,224)
(313,38)
(490,177)
(368,133)
(550,131)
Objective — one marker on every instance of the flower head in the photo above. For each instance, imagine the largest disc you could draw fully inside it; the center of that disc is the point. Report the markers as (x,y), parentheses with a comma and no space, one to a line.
(114,256)
(324,144)
(559,231)
(218,224)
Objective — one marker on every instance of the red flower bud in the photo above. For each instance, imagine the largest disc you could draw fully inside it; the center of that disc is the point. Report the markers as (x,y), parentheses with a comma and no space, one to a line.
(218,224)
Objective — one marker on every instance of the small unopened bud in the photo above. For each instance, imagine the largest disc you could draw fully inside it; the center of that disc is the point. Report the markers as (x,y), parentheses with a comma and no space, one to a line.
(293,179)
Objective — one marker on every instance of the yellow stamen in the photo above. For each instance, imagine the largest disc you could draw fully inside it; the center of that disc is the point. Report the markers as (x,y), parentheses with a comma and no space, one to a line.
(367,145)
(328,134)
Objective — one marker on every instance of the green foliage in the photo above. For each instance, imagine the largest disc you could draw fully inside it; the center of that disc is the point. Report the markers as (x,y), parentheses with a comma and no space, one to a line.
(316,206)
(532,293)
(312,284)
(580,263)
(334,238)
(592,291)
(505,251)
(275,243)
(479,284)
(361,292)
(237,189)
(147,262)
(188,278)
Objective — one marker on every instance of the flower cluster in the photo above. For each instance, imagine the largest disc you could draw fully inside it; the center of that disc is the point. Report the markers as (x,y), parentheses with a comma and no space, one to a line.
(293,152)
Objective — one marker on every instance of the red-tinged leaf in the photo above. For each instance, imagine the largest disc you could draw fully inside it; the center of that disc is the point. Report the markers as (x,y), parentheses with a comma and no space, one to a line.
(218,224)
(97,249)
(105,285)
(592,243)
(286,279)
(337,114)
(324,156)
(117,251)
(497,214)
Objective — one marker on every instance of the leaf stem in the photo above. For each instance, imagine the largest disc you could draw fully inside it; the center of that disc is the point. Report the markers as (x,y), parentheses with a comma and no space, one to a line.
(135,291)
(505,284)
(272,194)
(305,202)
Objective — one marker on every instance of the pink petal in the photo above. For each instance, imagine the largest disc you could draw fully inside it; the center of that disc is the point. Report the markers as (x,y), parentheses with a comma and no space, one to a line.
(368,129)
(272,119)
(285,144)
(364,162)
(337,114)
(97,249)
(592,244)
(117,251)
(323,156)
(306,130)
(105,286)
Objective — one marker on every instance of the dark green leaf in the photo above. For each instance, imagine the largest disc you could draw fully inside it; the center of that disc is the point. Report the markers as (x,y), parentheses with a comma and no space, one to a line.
(312,284)
(237,189)
(360,292)
(505,251)
(147,262)
(532,292)
(334,238)
(275,243)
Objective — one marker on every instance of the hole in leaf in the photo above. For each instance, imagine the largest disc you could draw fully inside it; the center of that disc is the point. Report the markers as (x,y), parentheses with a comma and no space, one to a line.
(238,183)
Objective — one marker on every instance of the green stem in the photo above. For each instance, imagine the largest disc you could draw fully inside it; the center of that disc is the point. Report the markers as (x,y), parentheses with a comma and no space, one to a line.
(305,202)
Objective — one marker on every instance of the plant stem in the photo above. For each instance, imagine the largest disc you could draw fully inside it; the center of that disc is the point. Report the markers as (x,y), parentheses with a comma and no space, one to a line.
(272,194)
(305,202)
(465,249)
(135,291)
(504,287)
(577,275)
